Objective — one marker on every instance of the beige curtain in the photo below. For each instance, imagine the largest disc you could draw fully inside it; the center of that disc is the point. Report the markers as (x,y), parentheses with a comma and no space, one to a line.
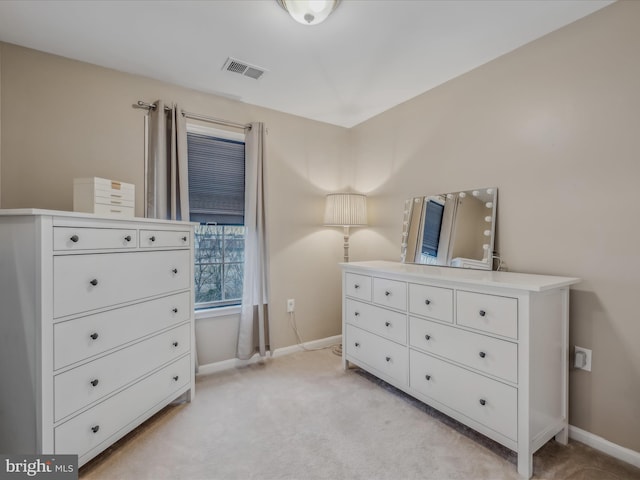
(254,318)
(167,171)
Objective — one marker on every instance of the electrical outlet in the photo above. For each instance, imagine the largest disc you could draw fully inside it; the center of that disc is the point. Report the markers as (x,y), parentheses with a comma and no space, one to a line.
(291,305)
(582,358)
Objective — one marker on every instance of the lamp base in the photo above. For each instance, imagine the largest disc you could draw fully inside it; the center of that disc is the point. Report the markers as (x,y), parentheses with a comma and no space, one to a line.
(346,244)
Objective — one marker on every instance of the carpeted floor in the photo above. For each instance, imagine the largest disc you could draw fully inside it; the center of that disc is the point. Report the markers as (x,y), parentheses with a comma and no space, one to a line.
(301,417)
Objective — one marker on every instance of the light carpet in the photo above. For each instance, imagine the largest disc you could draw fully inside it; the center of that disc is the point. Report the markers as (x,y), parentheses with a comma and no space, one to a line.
(301,416)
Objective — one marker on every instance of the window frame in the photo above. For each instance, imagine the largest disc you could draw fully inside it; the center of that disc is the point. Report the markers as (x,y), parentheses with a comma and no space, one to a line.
(227,305)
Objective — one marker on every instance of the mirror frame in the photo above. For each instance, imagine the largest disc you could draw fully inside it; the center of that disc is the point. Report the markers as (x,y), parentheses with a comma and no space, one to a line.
(466,229)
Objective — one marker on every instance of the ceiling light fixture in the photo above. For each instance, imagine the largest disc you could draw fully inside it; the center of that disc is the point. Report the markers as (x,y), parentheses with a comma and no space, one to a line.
(309,12)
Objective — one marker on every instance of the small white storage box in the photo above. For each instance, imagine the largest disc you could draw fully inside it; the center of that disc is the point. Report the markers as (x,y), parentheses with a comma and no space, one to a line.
(103,197)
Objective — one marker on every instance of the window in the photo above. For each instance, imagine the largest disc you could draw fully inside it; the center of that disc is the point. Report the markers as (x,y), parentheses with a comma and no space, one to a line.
(432,225)
(216,201)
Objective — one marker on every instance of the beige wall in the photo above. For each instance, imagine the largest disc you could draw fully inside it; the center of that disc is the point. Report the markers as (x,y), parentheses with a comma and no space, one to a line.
(63,119)
(556,126)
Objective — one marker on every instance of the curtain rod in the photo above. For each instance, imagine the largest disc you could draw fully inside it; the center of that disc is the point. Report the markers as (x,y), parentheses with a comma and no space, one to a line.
(204,118)
(194,116)
(148,106)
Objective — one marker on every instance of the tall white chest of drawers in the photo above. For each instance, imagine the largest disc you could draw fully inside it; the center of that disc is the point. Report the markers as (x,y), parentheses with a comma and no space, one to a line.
(489,349)
(96,327)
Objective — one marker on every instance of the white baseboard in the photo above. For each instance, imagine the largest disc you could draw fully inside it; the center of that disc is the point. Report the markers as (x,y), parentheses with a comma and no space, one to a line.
(322,343)
(610,448)
(215,367)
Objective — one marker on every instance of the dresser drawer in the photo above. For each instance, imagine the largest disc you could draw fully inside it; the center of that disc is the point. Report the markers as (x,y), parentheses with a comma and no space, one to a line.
(113,210)
(164,238)
(68,238)
(482,399)
(82,338)
(92,381)
(487,354)
(88,430)
(111,200)
(358,286)
(488,313)
(87,282)
(383,355)
(434,302)
(383,322)
(390,293)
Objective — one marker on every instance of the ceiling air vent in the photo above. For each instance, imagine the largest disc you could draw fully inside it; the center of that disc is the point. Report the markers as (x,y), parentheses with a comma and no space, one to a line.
(243,68)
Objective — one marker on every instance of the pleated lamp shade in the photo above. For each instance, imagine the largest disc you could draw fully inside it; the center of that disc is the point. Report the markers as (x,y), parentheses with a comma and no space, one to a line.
(346,210)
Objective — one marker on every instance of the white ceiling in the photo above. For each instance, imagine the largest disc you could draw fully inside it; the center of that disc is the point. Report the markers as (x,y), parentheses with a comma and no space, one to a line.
(369,56)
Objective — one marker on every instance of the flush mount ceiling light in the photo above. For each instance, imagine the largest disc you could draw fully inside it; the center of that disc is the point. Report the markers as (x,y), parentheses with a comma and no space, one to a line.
(309,12)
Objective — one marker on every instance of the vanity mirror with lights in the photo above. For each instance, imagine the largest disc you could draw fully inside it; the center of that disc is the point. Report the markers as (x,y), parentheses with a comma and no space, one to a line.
(455,229)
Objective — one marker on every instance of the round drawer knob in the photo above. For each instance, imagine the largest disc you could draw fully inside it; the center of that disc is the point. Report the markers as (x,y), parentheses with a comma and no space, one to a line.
(482,354)
(184,239)
(175,310)
(153,239)
(483,402)
(175,344)
(74,238)
(427,337)
(95,428)
(175,271)
(94,282)
(94,382)
(357,344)
(387,293)
(356,286)
(356,314)
(387,324)
(427,377)
(427,302)
(175,379)
(94,336)
(388,359)
(482,313)
(127,238)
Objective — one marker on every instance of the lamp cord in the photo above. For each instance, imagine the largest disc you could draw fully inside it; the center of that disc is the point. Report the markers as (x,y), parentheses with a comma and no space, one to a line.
(294,326)
(502,266)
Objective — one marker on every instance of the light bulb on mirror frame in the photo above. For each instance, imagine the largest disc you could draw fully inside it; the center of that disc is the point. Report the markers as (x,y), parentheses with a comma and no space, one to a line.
(487,219)
(489,204)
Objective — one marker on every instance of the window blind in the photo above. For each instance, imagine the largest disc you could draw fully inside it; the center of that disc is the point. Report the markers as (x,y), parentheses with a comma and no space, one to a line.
(432,224)
(216,179)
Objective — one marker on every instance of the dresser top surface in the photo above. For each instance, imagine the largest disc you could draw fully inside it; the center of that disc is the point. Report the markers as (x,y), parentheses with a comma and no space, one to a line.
(518,281)
(15,212)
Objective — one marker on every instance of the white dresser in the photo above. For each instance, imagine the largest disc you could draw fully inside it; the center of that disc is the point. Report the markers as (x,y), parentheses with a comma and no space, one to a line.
(489,349)
(96,327)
